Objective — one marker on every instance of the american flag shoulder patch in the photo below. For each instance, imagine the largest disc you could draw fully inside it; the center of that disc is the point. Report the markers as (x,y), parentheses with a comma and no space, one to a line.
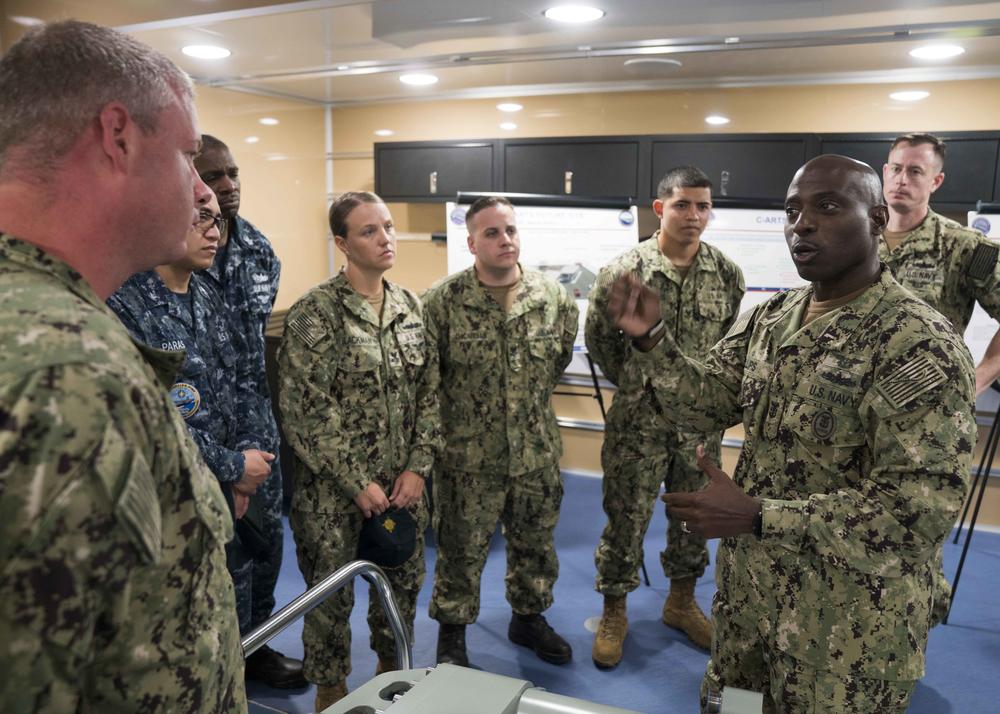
(308,328)
(983,261)
(905,384)
(741,324)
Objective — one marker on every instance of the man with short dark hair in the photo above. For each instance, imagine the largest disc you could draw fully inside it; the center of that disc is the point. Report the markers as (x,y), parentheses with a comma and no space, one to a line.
(114,595)
(857,403)
(246,272)
(504,335)
(700,290)
(945,264)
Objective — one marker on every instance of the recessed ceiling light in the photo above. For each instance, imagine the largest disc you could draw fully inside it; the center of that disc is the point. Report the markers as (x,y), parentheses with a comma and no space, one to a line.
(651,62)
(731,40)
(268,121)
(716,119)
(384,132)
(574,13)
(208,52)
(508,126)
(342,67)
(910,95)
(252,139)
(276,157)
(26,20)
(418,80)
(933,52)
(509,107)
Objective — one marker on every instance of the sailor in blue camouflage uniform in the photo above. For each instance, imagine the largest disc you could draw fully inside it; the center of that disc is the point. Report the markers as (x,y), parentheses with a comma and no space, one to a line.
(174,308)
(246,272)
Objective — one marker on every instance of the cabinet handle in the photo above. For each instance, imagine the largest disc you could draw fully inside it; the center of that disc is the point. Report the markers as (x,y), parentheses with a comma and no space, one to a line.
(568,182)
(434,181)
(724,183)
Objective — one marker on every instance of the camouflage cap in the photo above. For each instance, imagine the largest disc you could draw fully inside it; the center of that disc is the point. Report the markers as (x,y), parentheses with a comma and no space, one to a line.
(388,539)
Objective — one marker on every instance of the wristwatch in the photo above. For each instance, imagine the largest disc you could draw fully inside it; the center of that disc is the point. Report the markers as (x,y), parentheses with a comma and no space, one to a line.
(758,524)
(652,333)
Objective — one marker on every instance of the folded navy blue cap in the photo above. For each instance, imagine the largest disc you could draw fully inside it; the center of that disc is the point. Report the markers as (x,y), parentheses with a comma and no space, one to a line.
(388,539)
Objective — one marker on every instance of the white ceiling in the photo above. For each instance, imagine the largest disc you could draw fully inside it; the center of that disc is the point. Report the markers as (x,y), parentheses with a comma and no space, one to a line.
(340,52)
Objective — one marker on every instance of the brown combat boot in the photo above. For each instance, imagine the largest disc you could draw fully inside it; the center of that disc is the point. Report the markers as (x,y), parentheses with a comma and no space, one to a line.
(681,612)
(328,696)
(610,637)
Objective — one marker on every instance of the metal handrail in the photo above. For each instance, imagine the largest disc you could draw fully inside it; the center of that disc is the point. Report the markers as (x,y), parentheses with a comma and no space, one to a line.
(324,589)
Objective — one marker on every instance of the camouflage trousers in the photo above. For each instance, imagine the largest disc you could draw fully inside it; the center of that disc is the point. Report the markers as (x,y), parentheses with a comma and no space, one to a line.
(327,541)
(631,487)
(467,507)
(741,658)
(942,589)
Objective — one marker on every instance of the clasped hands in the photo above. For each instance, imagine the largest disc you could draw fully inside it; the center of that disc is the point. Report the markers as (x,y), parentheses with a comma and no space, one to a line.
(407,490)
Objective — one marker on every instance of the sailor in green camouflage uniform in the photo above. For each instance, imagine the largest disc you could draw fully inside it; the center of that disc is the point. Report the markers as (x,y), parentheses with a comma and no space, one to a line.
(857,403)
(945,264)
(360,408)
(114,595)
(503,336)
(700,290)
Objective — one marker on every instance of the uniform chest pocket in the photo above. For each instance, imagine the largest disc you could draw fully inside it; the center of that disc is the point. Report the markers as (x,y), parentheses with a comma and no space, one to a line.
(544,347)
(356,356)
(925,281)
(411,346)
(712,308)
(828,431)
(476,348)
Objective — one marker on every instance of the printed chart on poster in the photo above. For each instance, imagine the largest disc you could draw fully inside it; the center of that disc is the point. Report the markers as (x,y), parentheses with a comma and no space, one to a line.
(982,327)
(755,240)
(568,243)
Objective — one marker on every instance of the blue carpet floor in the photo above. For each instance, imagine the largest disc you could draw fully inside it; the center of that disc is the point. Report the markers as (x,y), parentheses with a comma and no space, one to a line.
(661,671)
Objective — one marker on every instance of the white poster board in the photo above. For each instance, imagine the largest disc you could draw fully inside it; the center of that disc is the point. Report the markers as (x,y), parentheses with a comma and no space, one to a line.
(982,327)
(755,240)
(569,243)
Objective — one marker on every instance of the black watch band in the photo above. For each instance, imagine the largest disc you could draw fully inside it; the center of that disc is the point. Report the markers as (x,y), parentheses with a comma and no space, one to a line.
(652,333)
(758,524)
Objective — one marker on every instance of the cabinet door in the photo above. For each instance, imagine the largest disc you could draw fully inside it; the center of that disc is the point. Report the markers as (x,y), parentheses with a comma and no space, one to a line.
(575,168)
(432,172)
(970,167)
(754,169)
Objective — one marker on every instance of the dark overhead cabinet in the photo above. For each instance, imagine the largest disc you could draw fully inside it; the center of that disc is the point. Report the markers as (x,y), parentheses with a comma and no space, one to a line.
(426,171)
(574,167)
(742,167)
(970,168)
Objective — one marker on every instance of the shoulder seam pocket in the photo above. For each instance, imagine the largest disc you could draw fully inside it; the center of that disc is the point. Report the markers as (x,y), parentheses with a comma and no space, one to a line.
(307,328)
(741,324)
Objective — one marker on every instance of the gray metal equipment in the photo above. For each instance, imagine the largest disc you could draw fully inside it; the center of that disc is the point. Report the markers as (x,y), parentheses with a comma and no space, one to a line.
(448,689)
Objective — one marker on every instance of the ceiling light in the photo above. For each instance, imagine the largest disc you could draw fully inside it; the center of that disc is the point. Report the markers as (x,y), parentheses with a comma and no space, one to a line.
(509,107)
(418,80)
(574,13)
(716,119)
(342,67)
(508,126)
(731,40)
(26,20)
(268,121)
(208,52)
(933,52)
(652,62)
(252,139)
(384,132)
(910,95)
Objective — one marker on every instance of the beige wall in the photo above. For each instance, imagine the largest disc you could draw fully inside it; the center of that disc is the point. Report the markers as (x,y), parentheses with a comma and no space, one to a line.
(283,178)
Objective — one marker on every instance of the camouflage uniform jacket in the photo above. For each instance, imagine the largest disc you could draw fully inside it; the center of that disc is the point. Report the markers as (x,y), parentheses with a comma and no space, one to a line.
(859,428)
(697,311)
(498,371)
(114,594)
(210,390)
(949,267)
(246,272)
(359,401)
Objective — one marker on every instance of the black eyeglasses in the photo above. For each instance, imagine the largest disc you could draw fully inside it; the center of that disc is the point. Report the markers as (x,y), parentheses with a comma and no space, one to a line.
(206,219)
